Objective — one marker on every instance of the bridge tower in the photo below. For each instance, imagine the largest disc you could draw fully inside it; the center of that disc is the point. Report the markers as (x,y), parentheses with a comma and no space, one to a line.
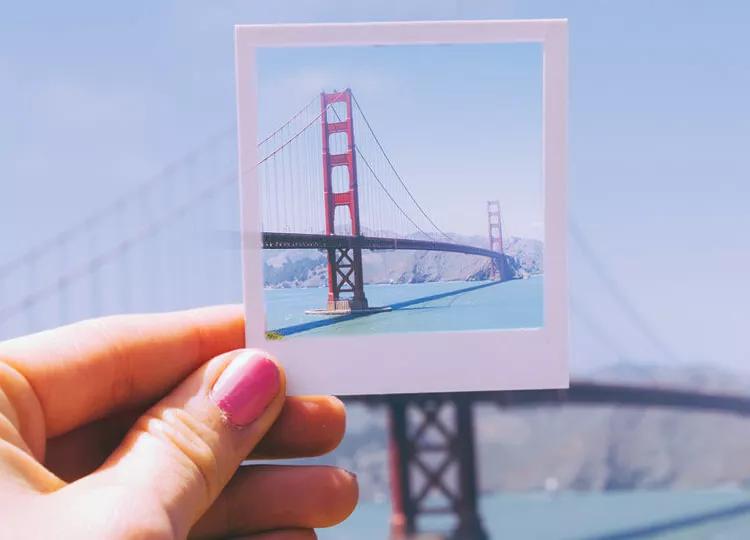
(346,290)
(433,466)
(495,226)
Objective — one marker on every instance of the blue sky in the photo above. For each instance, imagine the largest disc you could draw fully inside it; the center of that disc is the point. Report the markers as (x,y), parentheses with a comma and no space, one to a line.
(461,123)
(95,97)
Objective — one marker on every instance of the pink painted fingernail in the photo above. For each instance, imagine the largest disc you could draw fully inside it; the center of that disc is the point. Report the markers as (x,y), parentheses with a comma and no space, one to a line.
(246,387)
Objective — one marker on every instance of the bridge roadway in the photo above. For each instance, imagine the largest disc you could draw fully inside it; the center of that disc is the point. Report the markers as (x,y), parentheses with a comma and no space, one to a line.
(587,393)
(276,240)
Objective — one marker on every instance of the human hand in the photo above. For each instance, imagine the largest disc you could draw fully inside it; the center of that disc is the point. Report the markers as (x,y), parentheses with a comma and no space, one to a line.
(118,428)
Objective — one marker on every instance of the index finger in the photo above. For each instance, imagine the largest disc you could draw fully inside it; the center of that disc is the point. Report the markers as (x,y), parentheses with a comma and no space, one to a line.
(89,369)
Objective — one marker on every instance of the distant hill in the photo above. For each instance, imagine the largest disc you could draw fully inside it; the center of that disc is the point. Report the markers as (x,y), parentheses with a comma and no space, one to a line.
(607,448)
(587,448)
(307,268)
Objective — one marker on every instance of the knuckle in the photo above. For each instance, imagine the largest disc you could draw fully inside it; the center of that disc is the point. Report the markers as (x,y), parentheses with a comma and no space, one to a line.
(120,370)
(195,444)
(22,420)
(196,338)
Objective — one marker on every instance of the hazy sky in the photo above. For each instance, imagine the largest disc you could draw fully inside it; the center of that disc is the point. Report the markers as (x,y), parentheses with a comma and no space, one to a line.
(95,97)
(461,123)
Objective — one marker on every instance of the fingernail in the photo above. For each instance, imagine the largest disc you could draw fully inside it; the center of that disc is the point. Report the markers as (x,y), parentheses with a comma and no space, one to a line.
(246,387)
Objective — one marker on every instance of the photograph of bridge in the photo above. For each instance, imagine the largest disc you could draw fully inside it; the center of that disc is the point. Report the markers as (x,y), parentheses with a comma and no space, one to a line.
(379,218)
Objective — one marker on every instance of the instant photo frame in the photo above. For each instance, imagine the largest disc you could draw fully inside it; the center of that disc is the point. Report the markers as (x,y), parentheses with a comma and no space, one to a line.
(510,359)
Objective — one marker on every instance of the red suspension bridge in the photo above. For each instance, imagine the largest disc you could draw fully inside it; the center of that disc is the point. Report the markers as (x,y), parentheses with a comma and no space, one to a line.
(365,203)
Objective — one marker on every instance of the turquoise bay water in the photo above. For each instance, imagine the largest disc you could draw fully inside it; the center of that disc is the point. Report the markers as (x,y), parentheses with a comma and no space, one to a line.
(662,515)
(474,306)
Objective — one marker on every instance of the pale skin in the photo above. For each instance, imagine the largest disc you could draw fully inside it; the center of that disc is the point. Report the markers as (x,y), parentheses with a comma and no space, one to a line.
(107,430)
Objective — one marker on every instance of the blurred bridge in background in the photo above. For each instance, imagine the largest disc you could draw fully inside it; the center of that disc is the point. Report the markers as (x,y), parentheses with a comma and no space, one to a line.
(164,245)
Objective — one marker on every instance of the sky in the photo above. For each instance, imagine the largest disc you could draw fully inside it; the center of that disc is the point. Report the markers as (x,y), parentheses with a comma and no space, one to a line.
(462,123)
(95,97)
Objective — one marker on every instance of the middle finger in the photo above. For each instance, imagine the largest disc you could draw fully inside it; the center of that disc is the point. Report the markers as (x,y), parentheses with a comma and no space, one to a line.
(308,426)
(267,497)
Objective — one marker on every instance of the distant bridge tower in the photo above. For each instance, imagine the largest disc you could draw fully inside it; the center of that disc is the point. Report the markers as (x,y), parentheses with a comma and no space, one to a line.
(495,226)
(433,466)
(344,264)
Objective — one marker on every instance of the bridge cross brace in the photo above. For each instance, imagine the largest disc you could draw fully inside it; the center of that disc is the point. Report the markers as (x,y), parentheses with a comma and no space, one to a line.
(432,465)
(344,267)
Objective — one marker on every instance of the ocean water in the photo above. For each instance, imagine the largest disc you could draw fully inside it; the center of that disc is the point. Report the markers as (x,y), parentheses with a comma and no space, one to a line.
(628,515)
(416,307)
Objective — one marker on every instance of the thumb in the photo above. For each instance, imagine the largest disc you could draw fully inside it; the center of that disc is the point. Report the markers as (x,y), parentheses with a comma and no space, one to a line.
(182,452)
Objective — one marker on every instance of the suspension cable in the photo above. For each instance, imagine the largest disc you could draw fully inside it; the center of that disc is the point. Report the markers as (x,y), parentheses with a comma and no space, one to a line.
(388,193)
(292,119)
(374,174)
(393,168)
(294,137)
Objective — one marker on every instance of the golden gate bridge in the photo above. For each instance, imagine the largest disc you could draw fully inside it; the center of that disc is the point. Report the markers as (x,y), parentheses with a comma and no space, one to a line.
(365,202)
(155,248)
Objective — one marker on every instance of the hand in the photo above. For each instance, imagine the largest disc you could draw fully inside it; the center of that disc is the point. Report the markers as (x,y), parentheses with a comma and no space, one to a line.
(134,427)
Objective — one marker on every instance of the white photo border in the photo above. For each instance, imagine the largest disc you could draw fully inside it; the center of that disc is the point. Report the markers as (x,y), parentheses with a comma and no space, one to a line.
(456,361)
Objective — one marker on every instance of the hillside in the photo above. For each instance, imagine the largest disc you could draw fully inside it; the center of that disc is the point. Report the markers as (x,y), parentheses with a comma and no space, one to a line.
(587,448)
(307,268)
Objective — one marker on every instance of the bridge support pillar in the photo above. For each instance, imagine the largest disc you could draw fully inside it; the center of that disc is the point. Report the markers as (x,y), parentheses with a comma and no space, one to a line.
(346,291)
(433,470)
(345,276)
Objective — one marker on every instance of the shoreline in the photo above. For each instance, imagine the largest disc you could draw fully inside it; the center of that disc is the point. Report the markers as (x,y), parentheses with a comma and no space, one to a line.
(383,284)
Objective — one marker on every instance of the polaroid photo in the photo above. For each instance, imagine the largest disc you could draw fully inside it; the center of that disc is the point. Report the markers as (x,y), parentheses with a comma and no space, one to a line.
(403,202)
